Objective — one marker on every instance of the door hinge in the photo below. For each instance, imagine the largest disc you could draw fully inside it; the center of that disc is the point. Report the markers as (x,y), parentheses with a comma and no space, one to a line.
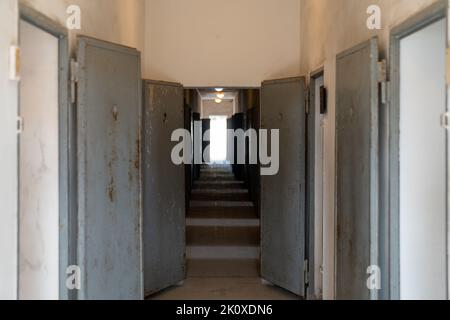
(306,270)
(19,125)
(385,94)
(383,81)
(382,71)
(307,102)
(447,67)
(445,120)
(14,63)
(306,278)
(73,80)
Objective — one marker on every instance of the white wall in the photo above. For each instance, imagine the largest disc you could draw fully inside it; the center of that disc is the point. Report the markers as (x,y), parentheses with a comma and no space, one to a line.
(118,21)
(8,152)
(329,27)
(222,43)
(423,165)
(38,164)
(211,108)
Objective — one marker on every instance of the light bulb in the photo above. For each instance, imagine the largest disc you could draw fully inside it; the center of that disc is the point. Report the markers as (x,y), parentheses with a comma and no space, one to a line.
(220,95)
(219,89)
(218,100)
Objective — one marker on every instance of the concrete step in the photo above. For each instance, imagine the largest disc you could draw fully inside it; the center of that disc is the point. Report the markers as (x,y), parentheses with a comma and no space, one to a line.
(222,252)
(217,184)
(222,268)
(216,204)
(217,177)
(234,236)
(216,171)
(222,213)
(220,195)
(222,210)
(250,221)
(216,166)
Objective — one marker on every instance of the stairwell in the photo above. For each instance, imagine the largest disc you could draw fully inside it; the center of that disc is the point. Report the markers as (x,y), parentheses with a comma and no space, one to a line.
(222,227)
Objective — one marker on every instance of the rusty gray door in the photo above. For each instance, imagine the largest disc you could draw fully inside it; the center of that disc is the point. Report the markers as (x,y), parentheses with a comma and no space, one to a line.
(109,209)
(283,194)
(356,169)
(163,188)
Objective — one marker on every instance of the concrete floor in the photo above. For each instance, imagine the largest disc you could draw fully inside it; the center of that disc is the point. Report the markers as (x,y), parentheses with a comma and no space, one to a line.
(223,280)
(224,289)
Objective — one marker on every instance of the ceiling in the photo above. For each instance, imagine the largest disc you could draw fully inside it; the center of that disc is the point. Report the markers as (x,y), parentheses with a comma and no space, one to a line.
(211,94)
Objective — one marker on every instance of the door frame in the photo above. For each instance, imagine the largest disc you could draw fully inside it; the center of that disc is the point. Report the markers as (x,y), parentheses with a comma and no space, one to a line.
(66,181)
(417,22)
(311,181)
(67,209)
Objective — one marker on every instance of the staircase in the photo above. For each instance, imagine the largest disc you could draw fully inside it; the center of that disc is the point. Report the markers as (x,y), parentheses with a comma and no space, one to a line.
(222,228)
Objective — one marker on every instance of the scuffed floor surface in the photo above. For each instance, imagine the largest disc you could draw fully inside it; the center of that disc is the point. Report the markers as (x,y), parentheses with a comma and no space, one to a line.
(224,289)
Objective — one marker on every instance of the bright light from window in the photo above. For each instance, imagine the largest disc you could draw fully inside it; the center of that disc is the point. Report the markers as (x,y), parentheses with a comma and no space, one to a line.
(218,100)
(218,137)
(220,95)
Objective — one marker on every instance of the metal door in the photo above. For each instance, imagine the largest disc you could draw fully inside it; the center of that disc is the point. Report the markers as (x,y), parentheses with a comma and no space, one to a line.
(283,194)
(109,182)
(163,189)
(206,126)
(356,169)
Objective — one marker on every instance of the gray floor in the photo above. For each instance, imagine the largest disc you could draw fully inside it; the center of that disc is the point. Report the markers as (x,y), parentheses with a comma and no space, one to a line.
(224,289)
(212,279)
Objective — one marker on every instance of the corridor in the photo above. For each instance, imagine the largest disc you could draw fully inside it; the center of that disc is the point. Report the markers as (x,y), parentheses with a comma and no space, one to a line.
(224,150)
(222,231)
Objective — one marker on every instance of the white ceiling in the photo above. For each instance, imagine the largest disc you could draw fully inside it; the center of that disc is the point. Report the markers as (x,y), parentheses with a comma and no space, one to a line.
(211,94)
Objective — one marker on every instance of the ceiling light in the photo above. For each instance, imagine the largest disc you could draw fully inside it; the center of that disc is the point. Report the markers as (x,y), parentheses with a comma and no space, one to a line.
(220,95)
(218,100)
(219,89)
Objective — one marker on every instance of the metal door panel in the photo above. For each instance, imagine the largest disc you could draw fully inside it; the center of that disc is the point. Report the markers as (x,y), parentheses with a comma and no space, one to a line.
(283,195)
(163,189)
(109,235)
(356,169)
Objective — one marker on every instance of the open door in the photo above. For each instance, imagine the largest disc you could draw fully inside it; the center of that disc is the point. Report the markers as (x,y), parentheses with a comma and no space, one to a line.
(357,170)
(206,126)
(283,194)
(163,188)
(109,182)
